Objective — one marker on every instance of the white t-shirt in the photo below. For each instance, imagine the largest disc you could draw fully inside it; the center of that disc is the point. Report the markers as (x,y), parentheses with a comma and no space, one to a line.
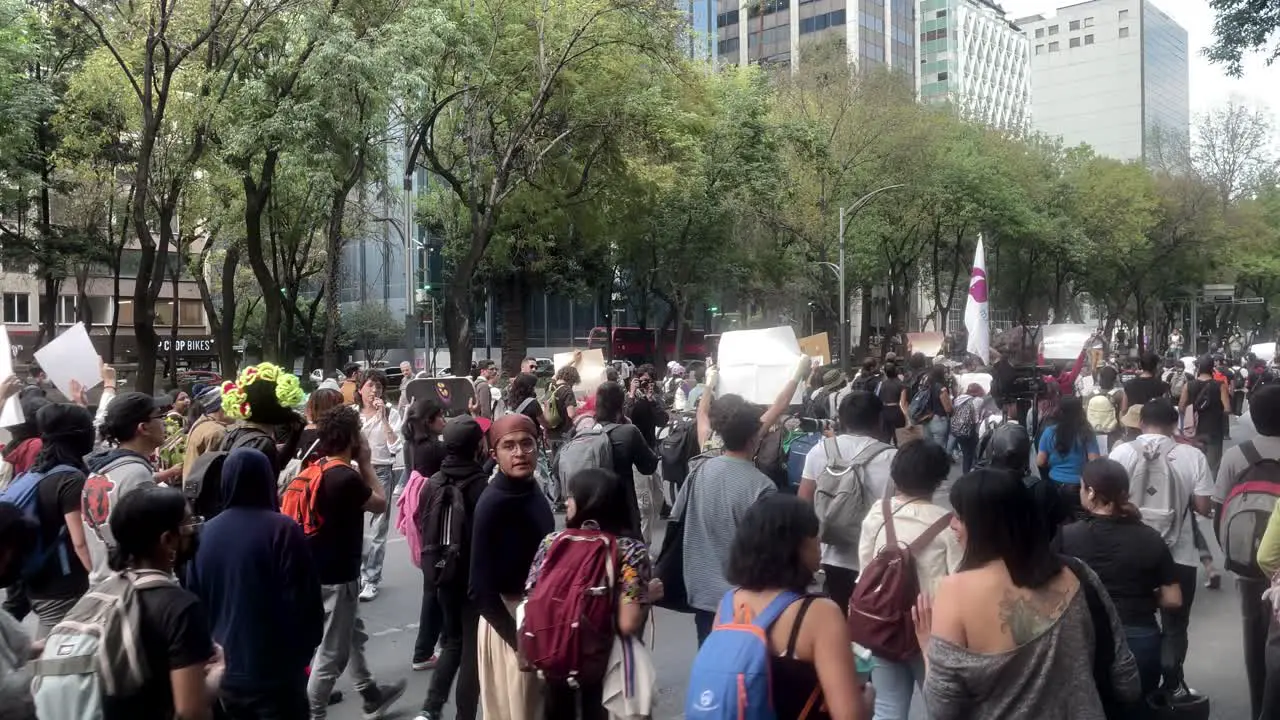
(381,450)
(938,559)
(1191,469)
(878,482)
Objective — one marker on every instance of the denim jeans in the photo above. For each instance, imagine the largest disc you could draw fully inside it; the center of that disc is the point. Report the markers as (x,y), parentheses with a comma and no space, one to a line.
(649,499)
(342,646)
(937,429)
(1144,642)
(968,451)
(371,571)
(895,683)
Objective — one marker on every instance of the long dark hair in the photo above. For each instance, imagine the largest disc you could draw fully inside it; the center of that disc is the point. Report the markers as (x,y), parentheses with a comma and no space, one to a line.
(1109,482)
(523,387)
(138,521)
(1003,523)
(600,497)
(1072,430)
(765,553)
(610,399)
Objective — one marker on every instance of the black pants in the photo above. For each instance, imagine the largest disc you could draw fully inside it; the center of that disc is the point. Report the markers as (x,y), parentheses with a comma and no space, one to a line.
(17,604)
(287,703)
(1261,649)
(429,622)
(1069,501)
(458,630)
(968,451)
(563,702)
(839,585)
(1173,629)
(703,622)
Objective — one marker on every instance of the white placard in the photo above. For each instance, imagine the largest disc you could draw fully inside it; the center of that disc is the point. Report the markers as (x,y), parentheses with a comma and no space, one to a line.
(70,356)
(592,368)
(11,412)
(757,364)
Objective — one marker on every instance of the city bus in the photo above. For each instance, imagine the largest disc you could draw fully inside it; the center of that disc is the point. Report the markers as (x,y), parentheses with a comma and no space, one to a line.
(637,344)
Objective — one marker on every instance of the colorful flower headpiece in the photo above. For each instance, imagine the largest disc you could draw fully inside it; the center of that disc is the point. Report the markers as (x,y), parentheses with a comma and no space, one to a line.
(236,401)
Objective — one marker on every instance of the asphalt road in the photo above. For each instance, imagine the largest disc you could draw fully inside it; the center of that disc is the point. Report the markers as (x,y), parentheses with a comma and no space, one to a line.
(1215,665)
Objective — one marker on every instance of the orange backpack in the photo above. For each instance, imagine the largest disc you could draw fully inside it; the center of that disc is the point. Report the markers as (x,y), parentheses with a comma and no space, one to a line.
(298,500)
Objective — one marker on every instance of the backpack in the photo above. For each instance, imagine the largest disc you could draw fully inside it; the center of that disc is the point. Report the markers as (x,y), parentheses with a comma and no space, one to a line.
(299,498)
(554,418)
(407,509)
(964,421)
(797,451)
(732,677)
(441,523)
(293,467)
(590,449)
(880,608)
(568,627)
(921,407)
(24,492)
(841,498)
(770,458)
(1101,412)
(94,652)
(1156,491)
(1204,398)
(525,404)
(676,449)
(1246,510)
(203,484)
(97,498)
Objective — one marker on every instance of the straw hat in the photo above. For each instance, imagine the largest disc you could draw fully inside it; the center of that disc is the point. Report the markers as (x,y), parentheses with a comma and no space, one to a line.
(1132,417)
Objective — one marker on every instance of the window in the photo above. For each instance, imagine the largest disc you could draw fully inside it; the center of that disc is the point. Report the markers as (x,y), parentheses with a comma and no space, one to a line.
(1039,32)
(1074,42)
(1053,47)
(66,309)
(1088,39)
(727,18)
(1073,25)
(1124,32)
(1053,29)
(1088,22)
(942,76)
(124,311)
(941,14)
(1040,49)
(17,308)
(1123,15)
(190,313)
(728,47)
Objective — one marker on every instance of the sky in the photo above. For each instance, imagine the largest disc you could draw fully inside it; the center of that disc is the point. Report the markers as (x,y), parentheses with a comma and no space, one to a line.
(1210,86)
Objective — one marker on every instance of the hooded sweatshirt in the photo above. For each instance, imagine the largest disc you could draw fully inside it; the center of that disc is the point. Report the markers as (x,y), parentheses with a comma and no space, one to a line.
(113,474)
(254,574)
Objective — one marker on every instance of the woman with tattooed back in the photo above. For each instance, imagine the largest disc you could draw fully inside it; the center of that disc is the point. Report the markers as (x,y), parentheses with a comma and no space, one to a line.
(1010,635)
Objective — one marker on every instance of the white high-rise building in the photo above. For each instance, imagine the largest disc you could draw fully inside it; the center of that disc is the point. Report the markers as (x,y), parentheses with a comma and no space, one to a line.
(1109,73)
(974,58)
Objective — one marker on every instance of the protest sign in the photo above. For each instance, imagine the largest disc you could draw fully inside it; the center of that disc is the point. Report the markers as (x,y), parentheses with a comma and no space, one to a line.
(817,347)
(757,364)
(11,411)
(71,356)
(592,368)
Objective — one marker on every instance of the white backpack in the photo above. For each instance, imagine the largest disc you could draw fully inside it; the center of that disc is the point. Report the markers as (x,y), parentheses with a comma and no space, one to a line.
(95,652)
(1101,412)
(842,499)
(1156,491)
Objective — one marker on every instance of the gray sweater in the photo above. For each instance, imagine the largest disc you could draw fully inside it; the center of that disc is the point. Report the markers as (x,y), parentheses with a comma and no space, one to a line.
(15,671)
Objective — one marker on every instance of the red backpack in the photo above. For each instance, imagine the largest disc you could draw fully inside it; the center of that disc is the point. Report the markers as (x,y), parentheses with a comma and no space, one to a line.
(880,609)
(569,618)
(298,500)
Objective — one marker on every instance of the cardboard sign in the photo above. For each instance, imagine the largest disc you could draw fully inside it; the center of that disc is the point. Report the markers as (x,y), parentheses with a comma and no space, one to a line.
(11,411)
(70,356)
(757,364)
(817,347)
(454,393)
(592,368)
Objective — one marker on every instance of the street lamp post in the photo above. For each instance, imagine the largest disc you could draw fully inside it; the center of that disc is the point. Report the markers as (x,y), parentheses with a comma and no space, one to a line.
(845,215)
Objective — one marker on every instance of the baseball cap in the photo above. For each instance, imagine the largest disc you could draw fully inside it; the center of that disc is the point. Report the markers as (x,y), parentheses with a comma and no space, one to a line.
(462,435)
(130,409)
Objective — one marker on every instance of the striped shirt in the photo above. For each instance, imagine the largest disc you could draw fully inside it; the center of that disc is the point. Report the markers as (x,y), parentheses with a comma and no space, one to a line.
(723,488)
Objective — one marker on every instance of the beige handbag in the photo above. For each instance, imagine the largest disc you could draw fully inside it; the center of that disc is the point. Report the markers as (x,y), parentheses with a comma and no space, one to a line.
(630,683)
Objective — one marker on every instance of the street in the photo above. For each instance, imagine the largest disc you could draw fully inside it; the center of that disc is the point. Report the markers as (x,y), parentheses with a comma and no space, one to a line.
(1214,665)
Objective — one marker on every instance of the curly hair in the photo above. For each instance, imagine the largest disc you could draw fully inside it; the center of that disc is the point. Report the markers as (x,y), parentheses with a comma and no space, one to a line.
(263,393)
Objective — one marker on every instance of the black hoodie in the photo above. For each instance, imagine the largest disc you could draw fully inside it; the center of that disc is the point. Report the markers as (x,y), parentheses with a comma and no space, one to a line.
(470,477)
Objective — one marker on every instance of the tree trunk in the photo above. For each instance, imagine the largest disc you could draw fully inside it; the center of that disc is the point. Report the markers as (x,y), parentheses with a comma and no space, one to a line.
(458,311)
(117,259)
(512,291)
(227,327)
(332,276)
(864,325)
(84,313)
(173,329)
(144,311)
(49,309)
(256,194)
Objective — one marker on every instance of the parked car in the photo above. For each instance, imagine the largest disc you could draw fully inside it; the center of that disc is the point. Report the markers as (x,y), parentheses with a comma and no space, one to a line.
(545,368)
(187,378)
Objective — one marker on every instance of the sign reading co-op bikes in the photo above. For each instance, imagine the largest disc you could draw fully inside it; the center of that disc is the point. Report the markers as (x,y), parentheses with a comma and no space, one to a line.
(22,345)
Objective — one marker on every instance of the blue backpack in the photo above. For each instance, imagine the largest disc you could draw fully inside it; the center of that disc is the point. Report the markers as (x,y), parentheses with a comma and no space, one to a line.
(24,493)
(731,677)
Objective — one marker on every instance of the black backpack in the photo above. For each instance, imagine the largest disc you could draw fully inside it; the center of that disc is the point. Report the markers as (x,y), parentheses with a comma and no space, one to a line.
(442,519)
(677,448)
(770,459)
(203,484)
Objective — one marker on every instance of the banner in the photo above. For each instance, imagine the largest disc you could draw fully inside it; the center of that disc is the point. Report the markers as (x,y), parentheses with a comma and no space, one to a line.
(975,310)
(817,347)
(757,364)
(454,393)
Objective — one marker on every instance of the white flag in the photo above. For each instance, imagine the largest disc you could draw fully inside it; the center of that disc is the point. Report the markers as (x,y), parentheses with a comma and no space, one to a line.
(975,310)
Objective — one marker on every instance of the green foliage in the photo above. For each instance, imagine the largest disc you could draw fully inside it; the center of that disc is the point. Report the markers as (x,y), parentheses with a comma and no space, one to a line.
(371,329)
(1243,27)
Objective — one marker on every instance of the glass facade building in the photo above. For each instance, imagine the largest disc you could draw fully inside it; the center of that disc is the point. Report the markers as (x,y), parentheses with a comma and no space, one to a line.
(701,41)
(972,57)
(1165,92)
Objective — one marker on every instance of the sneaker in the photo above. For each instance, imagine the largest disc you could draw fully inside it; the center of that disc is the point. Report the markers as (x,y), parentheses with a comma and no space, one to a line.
(368,592)
(379,698)
(428,664)
(428,715)
(1214,581)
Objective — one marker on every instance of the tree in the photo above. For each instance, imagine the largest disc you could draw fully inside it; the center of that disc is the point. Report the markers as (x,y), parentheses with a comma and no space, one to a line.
(1243,26)
(371,329)
(1232,150)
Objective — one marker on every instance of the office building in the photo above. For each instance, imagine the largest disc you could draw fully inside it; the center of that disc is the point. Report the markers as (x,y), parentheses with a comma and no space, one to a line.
(700,34)
(973,57)
(1109,73)
(877,32)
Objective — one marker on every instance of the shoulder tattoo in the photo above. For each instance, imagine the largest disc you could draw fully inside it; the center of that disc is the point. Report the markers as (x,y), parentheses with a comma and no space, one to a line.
(1026,617)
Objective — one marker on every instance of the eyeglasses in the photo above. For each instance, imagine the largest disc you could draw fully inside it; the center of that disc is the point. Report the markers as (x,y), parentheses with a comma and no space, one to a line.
(524,447)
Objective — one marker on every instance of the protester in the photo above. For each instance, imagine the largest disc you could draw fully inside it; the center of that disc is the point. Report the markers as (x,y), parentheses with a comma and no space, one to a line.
(522,397)
(350,383)
(155,533)
(1256,614)
(529,366)
(379,423)
(426,452)
(1130,558)
(860,416)
(966,419)
(1064,449)
(66,433)
(19,454)
(1009,449)
(893,397)
(261,401)
(712,504)
(406,377)
(346,492)
(643,407)
(135,425)
(250,552)
(207,432)
(484,390)
(511,519)
(17,538)
(633,458)
(917,472)
(178,409)
(1209,401)
(557,417)
(599,500)
(935,418)
(320,402)
(772,559)
(1146,387)
(463,467)
(1010,636)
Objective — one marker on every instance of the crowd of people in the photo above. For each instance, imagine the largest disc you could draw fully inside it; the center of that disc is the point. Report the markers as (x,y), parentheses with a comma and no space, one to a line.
(206,556)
